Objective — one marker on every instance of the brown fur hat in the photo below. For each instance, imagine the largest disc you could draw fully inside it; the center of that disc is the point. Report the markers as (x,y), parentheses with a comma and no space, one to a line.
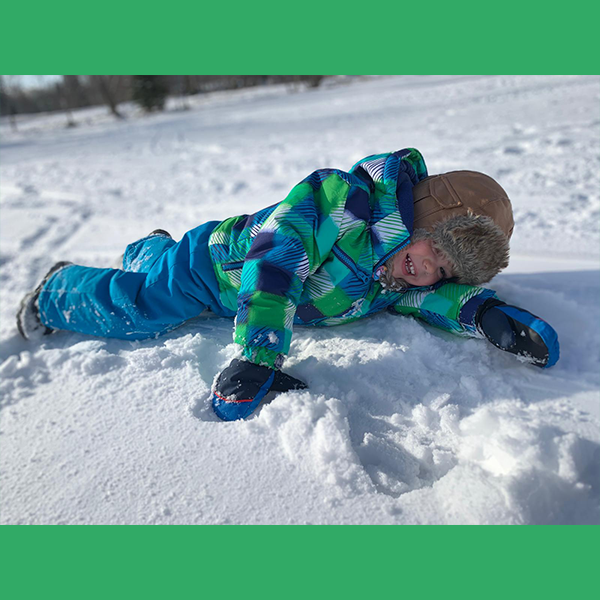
(474,244)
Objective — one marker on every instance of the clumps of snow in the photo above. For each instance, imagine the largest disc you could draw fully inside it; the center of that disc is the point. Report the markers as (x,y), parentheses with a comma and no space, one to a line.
(513,462)
(314,434)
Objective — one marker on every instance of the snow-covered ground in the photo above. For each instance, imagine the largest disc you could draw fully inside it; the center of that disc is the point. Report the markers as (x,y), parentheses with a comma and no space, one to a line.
(402,423)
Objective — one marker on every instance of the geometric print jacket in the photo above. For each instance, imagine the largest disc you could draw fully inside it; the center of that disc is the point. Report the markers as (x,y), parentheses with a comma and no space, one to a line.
(316,257)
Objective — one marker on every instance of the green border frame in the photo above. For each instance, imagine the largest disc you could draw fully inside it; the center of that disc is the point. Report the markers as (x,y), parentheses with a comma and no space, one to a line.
(276,38)
(321,561)
(271,37)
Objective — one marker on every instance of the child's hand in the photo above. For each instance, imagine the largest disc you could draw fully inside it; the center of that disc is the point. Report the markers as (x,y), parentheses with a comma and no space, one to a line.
(518,331)
(242,385)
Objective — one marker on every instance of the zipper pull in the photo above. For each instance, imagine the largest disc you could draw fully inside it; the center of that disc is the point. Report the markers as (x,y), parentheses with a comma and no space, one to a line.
(378,273)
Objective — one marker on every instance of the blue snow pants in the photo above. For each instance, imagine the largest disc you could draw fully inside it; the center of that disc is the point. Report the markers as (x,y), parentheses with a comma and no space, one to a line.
(163,283)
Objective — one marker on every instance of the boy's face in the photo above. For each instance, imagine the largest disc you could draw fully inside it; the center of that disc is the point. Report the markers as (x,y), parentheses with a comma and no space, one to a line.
(420,264)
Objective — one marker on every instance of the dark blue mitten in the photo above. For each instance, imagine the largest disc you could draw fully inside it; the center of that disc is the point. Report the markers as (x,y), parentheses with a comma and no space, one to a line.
(242,385)
(518,331)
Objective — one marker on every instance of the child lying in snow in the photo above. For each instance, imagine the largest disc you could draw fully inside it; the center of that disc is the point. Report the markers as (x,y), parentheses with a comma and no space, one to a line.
(340,247)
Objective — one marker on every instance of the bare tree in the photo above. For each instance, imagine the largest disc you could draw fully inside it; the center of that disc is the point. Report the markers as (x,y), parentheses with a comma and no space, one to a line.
(9,87)
(181,85)
(62,96)
(75,91)
(109,88)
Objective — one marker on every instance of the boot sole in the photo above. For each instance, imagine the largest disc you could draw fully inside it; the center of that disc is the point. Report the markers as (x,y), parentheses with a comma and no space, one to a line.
(27,304)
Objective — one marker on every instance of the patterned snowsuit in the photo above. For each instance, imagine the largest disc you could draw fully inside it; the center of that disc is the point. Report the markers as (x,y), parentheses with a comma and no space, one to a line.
(313,259)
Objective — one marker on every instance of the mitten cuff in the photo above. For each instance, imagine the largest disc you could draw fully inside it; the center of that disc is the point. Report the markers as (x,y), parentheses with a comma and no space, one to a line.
(265,357)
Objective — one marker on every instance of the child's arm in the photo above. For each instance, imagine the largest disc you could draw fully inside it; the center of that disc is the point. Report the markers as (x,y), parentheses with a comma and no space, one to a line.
(292,243)
(475,311)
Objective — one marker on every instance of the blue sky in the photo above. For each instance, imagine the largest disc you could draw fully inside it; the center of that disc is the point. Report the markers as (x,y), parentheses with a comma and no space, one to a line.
(33,81)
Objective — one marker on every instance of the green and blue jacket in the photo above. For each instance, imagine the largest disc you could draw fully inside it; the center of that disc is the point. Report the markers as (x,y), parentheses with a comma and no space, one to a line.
(316,257)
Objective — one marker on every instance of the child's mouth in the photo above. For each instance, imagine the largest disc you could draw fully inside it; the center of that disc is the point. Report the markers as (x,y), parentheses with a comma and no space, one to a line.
(408,266)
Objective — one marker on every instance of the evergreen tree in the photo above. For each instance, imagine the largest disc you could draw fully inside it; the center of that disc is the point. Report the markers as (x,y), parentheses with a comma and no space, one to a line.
(150,91)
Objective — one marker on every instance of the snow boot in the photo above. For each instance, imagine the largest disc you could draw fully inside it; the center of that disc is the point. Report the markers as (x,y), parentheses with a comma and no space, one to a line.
(28,317)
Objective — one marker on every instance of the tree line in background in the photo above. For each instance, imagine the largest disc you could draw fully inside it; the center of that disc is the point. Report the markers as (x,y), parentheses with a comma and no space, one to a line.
(149,91)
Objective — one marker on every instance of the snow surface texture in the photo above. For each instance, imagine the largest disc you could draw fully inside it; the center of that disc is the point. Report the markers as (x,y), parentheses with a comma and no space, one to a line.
(402,423)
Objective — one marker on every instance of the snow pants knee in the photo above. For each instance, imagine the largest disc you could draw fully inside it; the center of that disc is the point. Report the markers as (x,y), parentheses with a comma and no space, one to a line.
(163,283)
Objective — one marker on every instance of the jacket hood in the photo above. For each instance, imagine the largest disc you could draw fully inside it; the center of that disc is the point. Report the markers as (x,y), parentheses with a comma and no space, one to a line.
(391,178)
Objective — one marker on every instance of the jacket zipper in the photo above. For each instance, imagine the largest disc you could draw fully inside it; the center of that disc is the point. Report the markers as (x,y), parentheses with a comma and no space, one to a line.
(232,265)
(348,262)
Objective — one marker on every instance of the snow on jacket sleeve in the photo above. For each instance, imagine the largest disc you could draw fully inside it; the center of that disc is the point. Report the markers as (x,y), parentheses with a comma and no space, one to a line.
(449,306)
(291,245)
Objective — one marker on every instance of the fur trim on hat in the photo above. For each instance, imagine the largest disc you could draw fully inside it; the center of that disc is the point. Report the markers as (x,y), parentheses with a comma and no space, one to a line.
(474,244)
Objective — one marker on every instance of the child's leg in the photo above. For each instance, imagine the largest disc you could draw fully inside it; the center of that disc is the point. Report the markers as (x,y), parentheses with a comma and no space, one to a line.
(178,285)
(103,302)
(182,279)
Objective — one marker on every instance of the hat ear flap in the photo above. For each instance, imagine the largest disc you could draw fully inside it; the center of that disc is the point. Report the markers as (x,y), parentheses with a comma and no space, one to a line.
(474,244)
